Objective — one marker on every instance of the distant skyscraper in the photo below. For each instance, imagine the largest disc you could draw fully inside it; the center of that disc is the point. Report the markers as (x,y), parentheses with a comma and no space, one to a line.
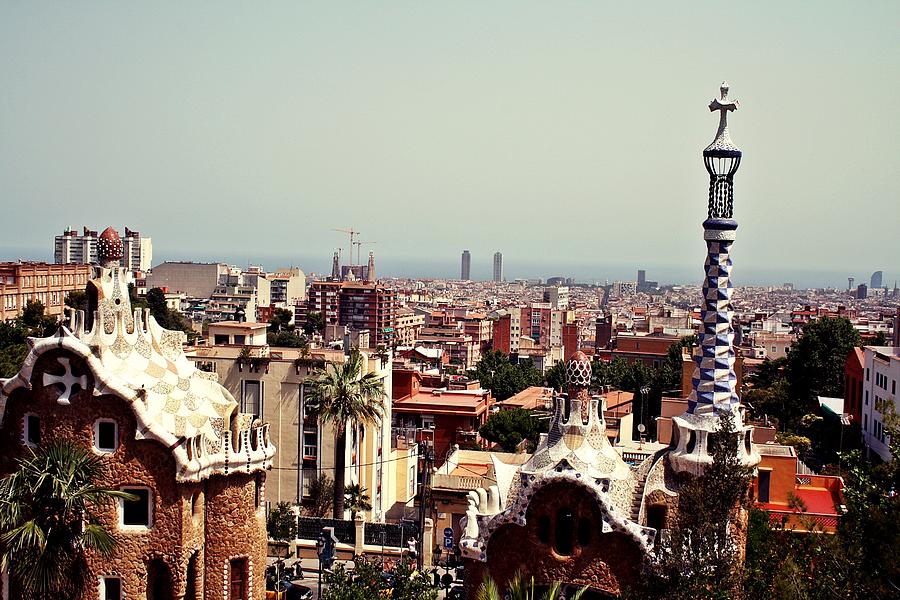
(850,281)
(465,271)
(862,292)
(498,266)
(875,282)
(642,277)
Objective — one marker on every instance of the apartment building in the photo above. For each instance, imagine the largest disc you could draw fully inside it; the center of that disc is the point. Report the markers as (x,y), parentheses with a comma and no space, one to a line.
(452,410)
(357,305)
(287,287)
(881,371)
(46,283)
(538,321)
(272,385)
(196,280)
(72,248)
(407,326)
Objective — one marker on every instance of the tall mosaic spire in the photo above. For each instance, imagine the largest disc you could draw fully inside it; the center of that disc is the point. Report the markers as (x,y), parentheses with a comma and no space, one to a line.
(714,383)
(714,380)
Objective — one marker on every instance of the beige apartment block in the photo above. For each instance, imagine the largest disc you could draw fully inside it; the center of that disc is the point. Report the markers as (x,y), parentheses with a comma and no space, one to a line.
(272,383)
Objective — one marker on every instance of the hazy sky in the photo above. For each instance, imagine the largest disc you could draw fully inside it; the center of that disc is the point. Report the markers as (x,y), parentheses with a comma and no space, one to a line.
(562,133)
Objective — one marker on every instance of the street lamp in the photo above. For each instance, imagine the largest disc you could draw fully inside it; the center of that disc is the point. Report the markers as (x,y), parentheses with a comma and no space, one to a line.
(320,549)
(446,580)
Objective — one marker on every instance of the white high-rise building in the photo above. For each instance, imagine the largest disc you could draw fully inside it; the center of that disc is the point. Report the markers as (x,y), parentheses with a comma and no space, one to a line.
(72,248)
(882,370)
(498,266)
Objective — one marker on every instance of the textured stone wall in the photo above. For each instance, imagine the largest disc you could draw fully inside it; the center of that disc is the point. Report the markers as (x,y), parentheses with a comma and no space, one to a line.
(235,529)
(182,527)
(606,563)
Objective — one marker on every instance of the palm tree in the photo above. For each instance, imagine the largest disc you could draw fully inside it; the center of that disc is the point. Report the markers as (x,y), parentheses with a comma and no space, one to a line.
(344,395)
(520,589)
(47,519)
(357,500)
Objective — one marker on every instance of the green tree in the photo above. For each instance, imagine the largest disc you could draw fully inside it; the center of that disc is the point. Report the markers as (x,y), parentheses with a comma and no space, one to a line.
(357,499)
(321,497)
(281,524)
(13,347)
(509,428)
(497,373)
(815,363)
(521,588)
(48,519)
(343,396)
(555,377)
(365,582)
(77,299)
(700,558)
(770,372)
(166,317)
(859,562)
(14,335)
(136,301)
(315,323)
(879,338)
(671,370)
(287,339)
(33,317)
(281,320)
(608,373)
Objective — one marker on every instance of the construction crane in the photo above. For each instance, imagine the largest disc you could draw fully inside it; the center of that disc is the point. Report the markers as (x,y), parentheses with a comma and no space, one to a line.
(359,246)
(352,232)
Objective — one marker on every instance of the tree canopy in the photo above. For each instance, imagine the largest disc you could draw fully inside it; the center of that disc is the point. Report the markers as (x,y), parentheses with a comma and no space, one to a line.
(366,582)
(504,378)
(815,362)
(167,317)
(48,519)
(346,395)
(509,428)
(281,524)
(14,335)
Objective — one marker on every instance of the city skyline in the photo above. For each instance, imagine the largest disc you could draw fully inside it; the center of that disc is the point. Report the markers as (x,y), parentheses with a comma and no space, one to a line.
(481,268)
(371,112)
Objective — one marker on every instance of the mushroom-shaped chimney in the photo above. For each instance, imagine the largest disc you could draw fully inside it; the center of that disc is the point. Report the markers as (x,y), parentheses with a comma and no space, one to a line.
(109,248)
(578,381)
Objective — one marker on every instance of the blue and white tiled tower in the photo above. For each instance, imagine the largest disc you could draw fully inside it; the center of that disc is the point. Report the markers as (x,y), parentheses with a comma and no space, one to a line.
(714,381)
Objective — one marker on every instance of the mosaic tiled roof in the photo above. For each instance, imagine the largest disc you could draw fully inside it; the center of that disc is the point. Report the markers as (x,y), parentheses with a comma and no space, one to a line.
(132,356)
(575,450)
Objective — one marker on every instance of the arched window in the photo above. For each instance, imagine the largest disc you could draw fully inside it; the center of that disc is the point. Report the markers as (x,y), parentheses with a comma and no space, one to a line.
(584,532)
(543,529)
(565,531)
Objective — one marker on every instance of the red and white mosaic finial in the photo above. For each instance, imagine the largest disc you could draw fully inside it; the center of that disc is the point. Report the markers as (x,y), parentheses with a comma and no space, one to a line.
(109,248)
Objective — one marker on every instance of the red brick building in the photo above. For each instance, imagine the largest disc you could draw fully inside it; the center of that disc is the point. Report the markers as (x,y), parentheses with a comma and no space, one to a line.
(649,349)
(454,409)
(170,434)
(357,305)
(46,283)
(853,385)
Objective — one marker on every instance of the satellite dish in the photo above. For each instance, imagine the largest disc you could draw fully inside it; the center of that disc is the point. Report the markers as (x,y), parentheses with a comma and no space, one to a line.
(642,428)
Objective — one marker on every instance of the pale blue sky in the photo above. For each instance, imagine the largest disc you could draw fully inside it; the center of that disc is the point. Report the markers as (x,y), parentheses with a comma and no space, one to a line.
(565,133)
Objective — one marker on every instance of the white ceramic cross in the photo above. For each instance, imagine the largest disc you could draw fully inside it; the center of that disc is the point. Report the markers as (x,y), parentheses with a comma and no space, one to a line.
(68,379)
(723,106)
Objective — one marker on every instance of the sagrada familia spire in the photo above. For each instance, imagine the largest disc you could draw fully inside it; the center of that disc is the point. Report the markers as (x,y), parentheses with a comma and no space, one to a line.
(714,381)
